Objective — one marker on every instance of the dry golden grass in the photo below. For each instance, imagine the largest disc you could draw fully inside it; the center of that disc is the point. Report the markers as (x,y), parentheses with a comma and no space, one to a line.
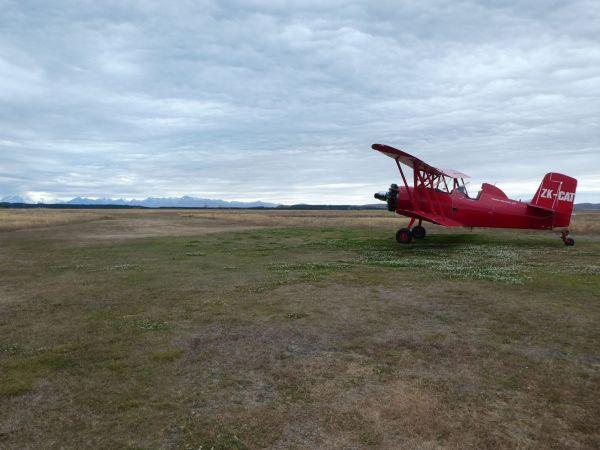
(285,218)
(587,222)
(17,219)
(583,223)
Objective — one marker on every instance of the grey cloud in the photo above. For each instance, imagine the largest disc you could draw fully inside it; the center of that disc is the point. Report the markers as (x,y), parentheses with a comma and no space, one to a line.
(267,100)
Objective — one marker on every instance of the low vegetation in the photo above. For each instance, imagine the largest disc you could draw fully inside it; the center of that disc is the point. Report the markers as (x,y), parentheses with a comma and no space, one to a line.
(303,329)
(16,219)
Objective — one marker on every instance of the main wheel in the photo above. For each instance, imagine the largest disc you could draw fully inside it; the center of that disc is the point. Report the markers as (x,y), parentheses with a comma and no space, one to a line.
(418,232)
(569,241)
(403,236)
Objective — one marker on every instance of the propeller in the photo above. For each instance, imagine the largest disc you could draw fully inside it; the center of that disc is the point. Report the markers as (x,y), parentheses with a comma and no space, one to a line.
(390,197)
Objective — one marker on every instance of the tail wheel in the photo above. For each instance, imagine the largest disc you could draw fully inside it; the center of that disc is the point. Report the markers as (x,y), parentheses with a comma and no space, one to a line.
(403,236)
(418,232)
(564,235)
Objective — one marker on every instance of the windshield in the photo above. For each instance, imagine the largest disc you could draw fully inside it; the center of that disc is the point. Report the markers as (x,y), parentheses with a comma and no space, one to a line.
(459,186)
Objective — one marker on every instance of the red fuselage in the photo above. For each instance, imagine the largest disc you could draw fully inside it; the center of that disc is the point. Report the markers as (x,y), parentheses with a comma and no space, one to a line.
(492,208)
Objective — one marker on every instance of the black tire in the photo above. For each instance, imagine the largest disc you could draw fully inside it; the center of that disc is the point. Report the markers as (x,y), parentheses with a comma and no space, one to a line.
(418,232)
(403,236)
(569,241)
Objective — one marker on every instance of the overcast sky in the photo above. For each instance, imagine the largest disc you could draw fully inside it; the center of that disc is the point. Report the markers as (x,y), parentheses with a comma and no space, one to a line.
(281,100)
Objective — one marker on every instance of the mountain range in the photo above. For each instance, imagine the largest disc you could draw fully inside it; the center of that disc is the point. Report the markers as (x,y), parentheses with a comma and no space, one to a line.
(151,202)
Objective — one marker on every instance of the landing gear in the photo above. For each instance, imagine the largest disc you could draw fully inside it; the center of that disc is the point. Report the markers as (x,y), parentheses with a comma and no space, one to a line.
(418,232)
(403,236)
(564,235)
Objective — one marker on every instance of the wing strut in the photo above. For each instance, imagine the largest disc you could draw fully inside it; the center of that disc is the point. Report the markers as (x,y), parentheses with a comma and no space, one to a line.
(422,177)
(426,181)
(403,177)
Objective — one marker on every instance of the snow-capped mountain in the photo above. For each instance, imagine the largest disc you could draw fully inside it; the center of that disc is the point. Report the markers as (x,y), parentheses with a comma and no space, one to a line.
(174,202)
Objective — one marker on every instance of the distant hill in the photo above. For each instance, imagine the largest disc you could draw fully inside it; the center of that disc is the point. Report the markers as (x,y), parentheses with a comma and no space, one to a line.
(332,207)
(587,207)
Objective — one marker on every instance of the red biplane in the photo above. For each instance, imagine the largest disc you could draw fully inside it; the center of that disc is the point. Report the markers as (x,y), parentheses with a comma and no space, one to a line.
(440,196)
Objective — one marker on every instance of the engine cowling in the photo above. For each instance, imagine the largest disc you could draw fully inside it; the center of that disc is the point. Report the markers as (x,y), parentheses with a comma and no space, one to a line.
(390,197)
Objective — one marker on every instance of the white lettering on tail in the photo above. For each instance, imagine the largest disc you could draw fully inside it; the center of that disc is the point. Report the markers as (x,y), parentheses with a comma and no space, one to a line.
(566,196)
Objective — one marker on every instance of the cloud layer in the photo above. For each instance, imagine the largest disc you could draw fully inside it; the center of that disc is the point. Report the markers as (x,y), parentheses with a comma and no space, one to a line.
(281,100)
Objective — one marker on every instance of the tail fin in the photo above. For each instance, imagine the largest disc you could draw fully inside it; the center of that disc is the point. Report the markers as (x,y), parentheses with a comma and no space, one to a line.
(556,193)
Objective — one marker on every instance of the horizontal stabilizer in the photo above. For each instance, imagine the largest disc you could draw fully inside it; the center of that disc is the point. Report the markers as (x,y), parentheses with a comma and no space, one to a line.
(541,208)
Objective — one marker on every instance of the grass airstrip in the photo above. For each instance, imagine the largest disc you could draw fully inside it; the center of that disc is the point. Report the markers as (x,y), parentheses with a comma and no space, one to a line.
(252,329)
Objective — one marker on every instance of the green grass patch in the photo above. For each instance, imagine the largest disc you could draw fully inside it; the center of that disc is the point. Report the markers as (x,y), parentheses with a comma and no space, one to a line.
(11,386)
(150,325)
(296,315)
(168,355)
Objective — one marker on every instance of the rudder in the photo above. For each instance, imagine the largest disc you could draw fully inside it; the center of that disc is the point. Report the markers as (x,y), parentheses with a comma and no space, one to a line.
(556,193)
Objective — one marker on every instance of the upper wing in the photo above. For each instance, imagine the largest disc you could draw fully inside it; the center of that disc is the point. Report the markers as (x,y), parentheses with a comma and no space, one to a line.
(416,163)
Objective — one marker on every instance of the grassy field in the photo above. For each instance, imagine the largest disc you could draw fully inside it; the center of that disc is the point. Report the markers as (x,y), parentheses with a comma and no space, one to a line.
(281,329)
